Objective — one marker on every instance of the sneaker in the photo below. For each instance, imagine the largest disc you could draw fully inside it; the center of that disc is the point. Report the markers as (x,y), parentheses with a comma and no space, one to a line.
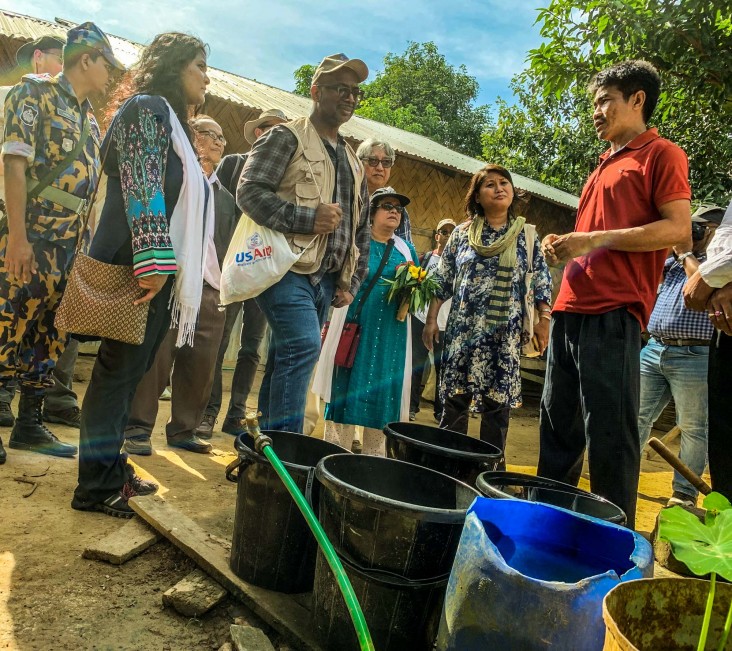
(234,426)
(412,416)
(682,499)
(205,429)
(6,415)
(142,486)
(166,394)
(115,505)
(140,445)
(70,416)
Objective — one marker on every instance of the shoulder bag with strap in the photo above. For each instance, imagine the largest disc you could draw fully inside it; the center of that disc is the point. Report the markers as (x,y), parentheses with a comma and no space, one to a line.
(351,334)
(98,299)
(529,347)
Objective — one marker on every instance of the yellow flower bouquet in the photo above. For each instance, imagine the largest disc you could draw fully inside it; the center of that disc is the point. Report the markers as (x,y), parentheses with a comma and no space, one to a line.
(413,287)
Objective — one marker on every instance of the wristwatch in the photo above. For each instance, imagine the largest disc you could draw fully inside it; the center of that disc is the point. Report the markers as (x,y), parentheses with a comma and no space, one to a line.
(683,256)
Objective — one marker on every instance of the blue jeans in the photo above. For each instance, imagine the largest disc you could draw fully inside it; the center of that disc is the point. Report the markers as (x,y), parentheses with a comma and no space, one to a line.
(679,372)
(296,311)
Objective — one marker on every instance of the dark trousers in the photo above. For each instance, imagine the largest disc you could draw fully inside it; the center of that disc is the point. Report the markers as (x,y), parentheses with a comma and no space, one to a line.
(420,359)
(117,372)
(592,397)
(720,414)
(253,327)
(493,420)
(192,375)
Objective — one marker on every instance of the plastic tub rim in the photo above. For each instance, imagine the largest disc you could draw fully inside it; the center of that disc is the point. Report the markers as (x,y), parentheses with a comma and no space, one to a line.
(256,457)
(418,512)
(573,490)
(464,454)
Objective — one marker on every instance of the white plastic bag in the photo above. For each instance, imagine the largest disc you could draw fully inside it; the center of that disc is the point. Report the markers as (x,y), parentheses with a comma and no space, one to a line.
(257,258)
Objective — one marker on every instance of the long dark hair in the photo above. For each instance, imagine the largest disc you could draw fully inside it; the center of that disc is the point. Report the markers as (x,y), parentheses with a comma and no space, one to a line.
(470,203)
(158,72)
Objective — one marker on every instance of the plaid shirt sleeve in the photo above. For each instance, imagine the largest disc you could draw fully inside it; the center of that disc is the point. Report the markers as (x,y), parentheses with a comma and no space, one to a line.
(363,241)
(260,178)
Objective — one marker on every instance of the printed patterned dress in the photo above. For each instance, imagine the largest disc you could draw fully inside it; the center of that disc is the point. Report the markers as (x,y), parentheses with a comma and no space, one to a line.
(475,360)
(369,394)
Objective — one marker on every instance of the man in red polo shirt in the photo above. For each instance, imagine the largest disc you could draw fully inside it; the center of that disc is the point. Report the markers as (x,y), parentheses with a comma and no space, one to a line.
(634,206)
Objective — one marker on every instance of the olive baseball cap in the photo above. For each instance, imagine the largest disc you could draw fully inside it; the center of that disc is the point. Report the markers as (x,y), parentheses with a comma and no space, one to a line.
(274,116)
(25,52)
(89,35)
(336,62)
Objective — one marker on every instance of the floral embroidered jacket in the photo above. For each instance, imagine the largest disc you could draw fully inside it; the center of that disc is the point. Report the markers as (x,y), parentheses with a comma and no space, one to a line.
(144,180)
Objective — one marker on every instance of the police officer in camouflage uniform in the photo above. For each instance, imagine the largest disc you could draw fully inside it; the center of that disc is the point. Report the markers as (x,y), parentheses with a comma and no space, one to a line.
(51,157)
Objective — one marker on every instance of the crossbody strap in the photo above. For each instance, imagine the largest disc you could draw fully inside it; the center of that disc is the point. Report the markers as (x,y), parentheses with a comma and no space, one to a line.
(52,174)
(375,279)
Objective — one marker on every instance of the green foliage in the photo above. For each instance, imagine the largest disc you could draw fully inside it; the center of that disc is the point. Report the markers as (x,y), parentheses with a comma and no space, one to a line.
(439,95)
(549,139)
(704,549)
(689,42)
(421,92)
(304,79)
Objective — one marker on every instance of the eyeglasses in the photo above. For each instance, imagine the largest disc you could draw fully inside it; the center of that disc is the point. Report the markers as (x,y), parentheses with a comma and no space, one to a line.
(386,163)
(391,206)
(213,135)
(344,91)
(444,231)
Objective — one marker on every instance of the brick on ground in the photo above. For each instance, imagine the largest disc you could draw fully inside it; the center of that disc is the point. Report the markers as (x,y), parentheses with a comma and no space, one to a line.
(127,542)
(249,638)
(194,595)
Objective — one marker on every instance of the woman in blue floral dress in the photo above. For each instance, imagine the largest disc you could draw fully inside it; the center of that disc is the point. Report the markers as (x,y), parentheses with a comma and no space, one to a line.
(483,269)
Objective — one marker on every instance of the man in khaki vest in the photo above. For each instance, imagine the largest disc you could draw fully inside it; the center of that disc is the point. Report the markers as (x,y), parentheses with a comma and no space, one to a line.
(304,180)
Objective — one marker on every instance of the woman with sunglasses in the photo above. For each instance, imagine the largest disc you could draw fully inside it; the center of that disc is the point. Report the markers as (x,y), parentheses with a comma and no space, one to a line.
(375,391)
(157,218)
(483,269)
(378,159)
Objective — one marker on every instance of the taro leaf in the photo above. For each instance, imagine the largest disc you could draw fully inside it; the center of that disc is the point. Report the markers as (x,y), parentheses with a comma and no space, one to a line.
(703,549)
(715,503)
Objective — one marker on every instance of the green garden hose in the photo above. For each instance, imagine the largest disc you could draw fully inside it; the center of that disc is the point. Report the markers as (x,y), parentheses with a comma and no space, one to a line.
(263,445)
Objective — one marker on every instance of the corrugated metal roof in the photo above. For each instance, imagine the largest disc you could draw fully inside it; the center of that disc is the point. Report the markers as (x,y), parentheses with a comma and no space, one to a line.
(257,95)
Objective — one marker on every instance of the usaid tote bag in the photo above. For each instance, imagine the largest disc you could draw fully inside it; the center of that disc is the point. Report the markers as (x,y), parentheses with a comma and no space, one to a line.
(257,258)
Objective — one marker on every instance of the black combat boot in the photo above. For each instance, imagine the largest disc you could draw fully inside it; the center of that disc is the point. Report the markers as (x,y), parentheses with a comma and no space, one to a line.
(29,432)
(3,454)
(6,415)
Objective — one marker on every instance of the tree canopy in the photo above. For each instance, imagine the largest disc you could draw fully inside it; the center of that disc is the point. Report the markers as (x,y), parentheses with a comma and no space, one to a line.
(688,41)
(420,91)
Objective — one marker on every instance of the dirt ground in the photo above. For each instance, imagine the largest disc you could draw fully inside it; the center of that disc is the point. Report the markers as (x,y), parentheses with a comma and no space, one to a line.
(52,598)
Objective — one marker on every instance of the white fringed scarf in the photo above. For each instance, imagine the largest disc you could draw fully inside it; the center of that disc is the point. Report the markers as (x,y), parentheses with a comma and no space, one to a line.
(190,225)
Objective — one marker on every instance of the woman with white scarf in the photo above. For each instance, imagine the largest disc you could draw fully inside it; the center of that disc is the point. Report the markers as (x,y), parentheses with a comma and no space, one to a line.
(375,391)
(157,218)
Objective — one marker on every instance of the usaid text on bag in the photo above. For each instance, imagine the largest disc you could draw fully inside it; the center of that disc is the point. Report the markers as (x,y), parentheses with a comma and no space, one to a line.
(256,250)
(256,259)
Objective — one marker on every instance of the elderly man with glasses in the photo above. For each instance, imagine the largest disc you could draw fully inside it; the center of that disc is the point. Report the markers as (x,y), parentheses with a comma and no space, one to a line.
(253,325)
(303,179)
(378,158)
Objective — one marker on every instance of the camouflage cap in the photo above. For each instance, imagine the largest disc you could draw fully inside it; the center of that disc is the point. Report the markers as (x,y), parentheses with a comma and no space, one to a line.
(337,61)
(89,35)
(25,52)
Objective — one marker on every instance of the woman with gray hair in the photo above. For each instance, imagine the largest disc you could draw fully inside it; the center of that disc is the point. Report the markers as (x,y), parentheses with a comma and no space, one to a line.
(378,158)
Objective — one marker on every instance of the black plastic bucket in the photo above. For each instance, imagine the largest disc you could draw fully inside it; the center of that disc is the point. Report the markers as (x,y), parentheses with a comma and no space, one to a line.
(451,453)
(515,485)
(396,527)
(272,545)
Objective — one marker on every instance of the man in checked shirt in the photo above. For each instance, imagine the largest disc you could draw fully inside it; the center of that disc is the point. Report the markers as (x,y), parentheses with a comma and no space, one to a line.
(304,180)
(675,359)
